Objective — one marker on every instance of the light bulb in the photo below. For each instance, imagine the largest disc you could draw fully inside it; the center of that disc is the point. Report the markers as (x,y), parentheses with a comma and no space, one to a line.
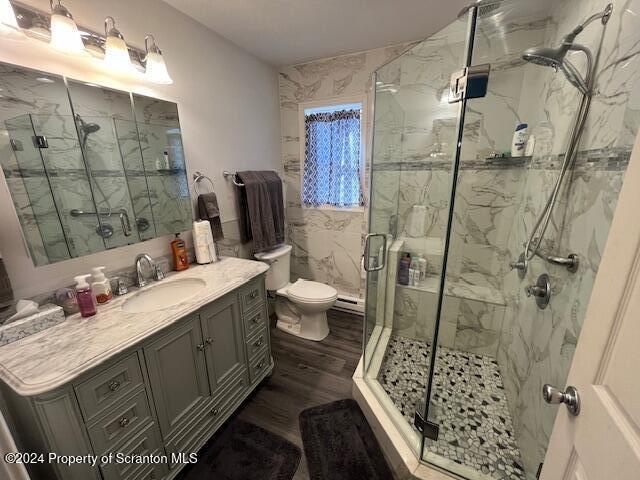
(116,53)
(156,69)
(65,36)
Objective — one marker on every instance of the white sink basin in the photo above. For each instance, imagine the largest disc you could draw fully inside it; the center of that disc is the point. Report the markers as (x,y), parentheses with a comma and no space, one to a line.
(163,295)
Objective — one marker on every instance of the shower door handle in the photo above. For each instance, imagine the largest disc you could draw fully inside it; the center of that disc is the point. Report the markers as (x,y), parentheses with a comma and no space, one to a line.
(365,255)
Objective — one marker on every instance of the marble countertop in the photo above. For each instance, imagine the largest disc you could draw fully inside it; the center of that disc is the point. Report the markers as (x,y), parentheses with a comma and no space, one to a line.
(48,359)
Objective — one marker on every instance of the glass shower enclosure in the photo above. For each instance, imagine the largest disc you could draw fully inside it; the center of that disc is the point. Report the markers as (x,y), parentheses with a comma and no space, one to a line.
(457,355)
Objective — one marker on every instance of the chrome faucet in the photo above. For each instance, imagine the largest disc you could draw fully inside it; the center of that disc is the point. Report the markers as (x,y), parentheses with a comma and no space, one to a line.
(158,273)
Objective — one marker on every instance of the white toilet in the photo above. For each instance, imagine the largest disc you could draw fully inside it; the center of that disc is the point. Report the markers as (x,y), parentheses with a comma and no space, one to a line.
(301,306)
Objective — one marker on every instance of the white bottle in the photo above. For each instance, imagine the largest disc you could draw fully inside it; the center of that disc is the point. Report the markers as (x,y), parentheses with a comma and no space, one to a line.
(422,262)
(100,285)
(414,271)
(519,143)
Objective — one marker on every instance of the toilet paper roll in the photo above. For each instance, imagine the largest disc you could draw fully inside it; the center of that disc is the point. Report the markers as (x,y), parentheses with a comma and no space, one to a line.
(203,244)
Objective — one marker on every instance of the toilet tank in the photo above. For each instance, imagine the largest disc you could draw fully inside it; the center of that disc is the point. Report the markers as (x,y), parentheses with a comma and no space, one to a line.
(279,260)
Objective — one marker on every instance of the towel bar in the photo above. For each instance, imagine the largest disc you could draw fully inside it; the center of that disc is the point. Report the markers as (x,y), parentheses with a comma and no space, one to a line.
(233,176)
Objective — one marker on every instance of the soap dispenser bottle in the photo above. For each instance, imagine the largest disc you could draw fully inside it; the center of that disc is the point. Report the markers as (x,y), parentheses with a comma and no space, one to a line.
(179,251)
(100,285)
(84,295)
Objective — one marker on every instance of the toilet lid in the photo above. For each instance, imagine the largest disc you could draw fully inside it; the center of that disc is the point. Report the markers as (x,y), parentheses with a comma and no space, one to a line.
(311,291)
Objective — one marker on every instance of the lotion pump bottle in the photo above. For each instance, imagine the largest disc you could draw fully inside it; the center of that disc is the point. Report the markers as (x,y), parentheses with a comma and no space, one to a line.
(100,285)
(84,295)
(179,251)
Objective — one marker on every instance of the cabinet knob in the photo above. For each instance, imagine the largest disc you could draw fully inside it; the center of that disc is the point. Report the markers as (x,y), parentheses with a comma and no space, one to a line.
(259,342)
(200,347)
(253,294)
(124,421)
(255,319)
(261,365)
(115,385)
(215,412)
(209,341)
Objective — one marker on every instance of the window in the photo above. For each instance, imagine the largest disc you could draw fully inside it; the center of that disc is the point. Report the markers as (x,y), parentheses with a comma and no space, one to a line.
(332,169)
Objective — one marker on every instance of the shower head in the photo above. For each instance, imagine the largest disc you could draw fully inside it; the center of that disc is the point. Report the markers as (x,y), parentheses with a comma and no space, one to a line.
(545,56)
(556,57)
(90,128)
(485,7)
(86,128)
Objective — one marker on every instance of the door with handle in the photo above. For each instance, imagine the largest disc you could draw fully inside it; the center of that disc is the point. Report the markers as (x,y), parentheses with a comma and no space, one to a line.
(603,441)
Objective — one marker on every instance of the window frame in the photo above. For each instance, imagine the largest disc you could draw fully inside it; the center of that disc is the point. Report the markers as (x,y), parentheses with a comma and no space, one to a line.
(332,102)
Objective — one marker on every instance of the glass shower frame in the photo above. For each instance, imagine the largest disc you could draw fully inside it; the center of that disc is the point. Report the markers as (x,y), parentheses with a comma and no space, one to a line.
(376,263)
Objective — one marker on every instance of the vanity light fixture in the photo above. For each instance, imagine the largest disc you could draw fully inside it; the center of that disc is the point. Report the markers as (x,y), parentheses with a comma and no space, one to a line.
(65,35)
(8,22)
(116,53)
(155,68)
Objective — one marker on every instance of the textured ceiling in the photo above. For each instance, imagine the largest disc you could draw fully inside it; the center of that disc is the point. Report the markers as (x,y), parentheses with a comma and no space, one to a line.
(285,32)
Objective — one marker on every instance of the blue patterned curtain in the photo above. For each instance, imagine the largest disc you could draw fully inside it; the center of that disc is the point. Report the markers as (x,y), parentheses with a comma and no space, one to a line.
(332,159)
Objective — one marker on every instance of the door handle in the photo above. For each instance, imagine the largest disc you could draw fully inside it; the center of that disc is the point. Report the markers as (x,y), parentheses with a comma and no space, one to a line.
(365,255)
(569,397)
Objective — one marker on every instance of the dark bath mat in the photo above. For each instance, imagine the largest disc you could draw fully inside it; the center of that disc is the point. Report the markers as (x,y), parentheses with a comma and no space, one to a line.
(340,445)
(243,451)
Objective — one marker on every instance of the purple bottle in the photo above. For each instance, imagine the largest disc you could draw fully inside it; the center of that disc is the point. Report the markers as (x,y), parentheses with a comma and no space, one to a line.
(84,295)
(403,269)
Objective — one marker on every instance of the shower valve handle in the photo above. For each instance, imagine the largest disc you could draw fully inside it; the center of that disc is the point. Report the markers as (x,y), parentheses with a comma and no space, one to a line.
(536,291)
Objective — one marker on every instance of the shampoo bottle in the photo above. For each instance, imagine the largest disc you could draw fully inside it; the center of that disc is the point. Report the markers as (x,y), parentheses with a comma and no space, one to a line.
(519,140)
(179,251)
(100,285)
(403,269)
(84,295)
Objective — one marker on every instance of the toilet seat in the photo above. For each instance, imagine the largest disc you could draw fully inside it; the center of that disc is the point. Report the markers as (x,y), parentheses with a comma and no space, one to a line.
(307,291)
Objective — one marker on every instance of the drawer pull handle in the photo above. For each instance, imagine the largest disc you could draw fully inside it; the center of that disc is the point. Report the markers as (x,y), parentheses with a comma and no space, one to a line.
(209,341)
(200,347)
(258,343)
(215,412)
(114,386)
(253,294)
(260,365)
(124,421)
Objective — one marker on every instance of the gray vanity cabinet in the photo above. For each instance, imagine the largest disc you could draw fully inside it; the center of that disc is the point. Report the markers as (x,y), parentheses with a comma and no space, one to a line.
(165,396)
(177,374)
(224,345)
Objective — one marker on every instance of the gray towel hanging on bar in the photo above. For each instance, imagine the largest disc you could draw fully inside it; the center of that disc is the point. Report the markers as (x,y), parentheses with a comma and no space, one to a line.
(262,209)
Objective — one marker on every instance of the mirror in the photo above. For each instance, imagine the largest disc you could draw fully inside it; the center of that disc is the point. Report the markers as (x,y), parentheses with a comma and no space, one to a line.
(89,168)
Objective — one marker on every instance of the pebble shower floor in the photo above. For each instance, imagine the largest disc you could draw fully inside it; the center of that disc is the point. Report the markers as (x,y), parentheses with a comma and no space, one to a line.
(468,399)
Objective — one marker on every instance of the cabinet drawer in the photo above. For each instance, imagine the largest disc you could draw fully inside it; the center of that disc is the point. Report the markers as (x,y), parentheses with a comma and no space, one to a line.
(150,472)
(254,321)
(146,442)
(252,295)
(106,388)
(119,422)
(256,343)
(196,433)
(259,364)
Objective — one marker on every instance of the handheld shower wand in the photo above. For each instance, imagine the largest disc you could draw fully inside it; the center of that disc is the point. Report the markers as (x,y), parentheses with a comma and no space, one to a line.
(556,58)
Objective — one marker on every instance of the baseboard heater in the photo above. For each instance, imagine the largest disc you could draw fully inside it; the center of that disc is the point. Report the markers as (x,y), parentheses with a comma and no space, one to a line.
(350,304)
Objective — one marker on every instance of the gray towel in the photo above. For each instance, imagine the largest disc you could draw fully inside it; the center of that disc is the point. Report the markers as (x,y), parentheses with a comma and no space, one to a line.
(208,210)
(262,209)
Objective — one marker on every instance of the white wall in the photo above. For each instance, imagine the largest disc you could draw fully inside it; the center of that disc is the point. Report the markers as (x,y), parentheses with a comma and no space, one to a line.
(228,106)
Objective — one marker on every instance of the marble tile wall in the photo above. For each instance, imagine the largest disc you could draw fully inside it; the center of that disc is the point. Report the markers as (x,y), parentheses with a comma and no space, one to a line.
(536,346)
(497,203)
(327,244)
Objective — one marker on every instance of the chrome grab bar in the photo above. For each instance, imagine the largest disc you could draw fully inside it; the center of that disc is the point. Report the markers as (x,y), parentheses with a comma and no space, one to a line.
(365,255)
(122,214)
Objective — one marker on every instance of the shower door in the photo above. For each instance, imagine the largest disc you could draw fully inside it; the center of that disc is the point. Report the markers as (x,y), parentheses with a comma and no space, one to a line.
(415,152)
